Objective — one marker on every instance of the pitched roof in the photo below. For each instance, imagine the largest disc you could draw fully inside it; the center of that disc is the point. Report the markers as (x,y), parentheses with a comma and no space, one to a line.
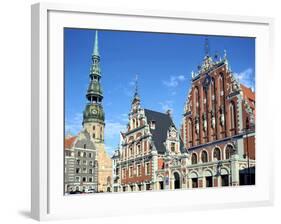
(68,142)
(84,141)
(248,95)
(247,92)
(162,124)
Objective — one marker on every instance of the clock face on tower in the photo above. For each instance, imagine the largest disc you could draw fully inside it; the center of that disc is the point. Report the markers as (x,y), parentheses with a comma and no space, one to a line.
(94,111)
(173,134)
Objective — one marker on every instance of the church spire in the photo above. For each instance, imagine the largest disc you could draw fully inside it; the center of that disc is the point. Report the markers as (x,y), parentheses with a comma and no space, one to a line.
(96,46)
(94,111)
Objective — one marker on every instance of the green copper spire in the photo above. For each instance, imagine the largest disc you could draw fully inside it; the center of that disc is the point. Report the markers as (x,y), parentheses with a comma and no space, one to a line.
(94,110)
(95,68)
(96,46)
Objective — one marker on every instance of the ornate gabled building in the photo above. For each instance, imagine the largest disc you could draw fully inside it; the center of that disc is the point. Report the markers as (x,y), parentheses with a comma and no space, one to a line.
(218,127)
(151,155)
(93,127)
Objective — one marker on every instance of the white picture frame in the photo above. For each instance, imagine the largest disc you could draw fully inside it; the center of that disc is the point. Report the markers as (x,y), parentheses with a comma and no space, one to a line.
(48,201)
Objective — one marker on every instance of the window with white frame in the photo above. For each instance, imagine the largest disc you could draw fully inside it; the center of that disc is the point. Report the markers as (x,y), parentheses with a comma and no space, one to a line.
(147,168)
(138,169)
(130,171)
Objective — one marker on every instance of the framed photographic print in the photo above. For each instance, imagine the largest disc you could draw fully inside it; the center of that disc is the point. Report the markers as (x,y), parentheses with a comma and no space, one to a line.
(154,111)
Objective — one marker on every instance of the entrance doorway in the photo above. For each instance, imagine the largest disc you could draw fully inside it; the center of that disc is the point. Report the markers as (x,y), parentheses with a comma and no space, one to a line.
(177,181)
(161,185)
(209,181)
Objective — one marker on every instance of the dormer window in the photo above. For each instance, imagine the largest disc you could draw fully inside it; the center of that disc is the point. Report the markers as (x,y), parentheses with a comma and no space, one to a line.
(152,124)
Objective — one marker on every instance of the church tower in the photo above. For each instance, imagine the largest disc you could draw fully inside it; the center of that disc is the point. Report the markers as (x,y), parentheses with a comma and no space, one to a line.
(93,121)
(93,116)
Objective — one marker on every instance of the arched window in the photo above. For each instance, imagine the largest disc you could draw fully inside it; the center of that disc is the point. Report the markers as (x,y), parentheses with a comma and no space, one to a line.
(217,154)
(139,149)
(94,127)
(108,179)
(204,157)
(194,158)
(232,115)
(228,150)
(134,123)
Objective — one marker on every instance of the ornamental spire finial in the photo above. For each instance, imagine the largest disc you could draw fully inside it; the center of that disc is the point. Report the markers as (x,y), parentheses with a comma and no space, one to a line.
(225,54)
(136,86)
(96,45)
(207,46)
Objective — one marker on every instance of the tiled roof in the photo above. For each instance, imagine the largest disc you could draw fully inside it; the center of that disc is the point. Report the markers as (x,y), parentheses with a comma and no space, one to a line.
(248,95)
(68,142)
(162,124)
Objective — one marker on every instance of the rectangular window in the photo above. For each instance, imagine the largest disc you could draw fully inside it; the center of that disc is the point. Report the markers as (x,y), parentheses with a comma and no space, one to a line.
(139,149)
(85,162)
(123,173)
(173,147)
(90,179)
(130,171)
(77,179)
(77,170)
(138,170)
(147,168)
(84,170)
(84,179)
(90,171)
(90,155)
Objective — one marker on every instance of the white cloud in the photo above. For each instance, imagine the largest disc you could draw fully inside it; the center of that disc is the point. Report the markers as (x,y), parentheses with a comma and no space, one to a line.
(174,81)
(167,105)
(74,125)
(112,129)
(124,117)
(246,77)
(112,134)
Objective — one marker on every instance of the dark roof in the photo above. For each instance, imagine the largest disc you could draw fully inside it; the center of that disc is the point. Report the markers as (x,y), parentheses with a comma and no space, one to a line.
(163,122)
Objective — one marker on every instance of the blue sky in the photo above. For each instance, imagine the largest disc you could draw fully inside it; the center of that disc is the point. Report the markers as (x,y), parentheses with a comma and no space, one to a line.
(163,63)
